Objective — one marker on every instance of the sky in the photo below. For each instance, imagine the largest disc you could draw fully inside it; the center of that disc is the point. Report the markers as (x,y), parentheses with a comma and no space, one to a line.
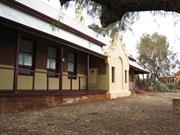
(148,23)
(168,25)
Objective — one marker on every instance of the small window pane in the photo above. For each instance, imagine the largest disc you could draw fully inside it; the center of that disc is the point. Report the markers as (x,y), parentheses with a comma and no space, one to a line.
(52,52)
(70,67)
(26,51)
(27,60)
(20,59)
(26,46)
(71,57)
(51,63)
(52,60)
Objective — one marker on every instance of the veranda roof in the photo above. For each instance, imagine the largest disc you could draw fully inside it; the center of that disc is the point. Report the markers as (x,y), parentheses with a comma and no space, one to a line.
(18,16)
(137,68)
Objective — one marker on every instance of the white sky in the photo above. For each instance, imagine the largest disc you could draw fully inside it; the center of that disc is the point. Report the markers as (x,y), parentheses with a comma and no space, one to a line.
(147,23)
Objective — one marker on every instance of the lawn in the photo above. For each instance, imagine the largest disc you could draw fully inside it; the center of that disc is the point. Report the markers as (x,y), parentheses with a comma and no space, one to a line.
(142,114)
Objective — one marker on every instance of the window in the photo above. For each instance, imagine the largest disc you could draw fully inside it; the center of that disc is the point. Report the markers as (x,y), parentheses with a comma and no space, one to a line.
(26,53)
(52,59)
(113,74)
(72,63)
(125,76)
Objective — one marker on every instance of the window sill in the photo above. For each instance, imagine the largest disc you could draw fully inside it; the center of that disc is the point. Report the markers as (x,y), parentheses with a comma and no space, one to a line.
(25,70)
(72,75)
(52,73)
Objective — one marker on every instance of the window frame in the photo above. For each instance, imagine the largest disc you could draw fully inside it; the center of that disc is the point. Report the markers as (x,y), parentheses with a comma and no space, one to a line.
(56,59)
(21,72)
(72,75)
(53,72)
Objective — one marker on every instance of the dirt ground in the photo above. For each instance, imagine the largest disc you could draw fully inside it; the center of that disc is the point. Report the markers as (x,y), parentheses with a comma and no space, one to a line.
(142,114)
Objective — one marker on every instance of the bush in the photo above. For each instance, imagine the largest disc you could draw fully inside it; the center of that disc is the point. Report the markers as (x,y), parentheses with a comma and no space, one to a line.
(159,86)
(179,83)
(173,86)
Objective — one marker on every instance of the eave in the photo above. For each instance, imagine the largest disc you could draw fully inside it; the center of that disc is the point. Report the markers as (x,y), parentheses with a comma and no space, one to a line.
(50,20)
(41,34)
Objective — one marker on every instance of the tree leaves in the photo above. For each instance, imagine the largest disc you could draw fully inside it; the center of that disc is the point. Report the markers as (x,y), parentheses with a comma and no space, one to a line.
(155,55)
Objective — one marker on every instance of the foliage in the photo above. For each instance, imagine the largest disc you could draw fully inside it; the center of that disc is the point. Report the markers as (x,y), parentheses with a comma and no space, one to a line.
(179,83)
(158,86)
(113,29)
(95,9)
(140,82)
(154,85)
(127,20)
(155,55)
(173,86)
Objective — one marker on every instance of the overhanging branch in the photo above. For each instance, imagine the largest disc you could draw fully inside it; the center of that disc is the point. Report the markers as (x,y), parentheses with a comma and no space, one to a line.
(113,10)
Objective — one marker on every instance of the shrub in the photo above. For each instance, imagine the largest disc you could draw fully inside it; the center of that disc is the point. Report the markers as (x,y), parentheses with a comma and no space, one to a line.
(179,83)
(173,86)
(159,86)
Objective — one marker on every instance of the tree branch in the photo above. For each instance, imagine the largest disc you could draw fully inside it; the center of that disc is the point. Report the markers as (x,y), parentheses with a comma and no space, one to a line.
(113,10)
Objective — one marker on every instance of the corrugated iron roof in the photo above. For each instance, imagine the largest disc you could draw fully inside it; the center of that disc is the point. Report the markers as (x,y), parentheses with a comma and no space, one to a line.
(133,63)
(59,15)
(20,17)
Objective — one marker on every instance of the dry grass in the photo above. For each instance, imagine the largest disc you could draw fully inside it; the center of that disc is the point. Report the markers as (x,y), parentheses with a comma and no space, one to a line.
(144,114)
